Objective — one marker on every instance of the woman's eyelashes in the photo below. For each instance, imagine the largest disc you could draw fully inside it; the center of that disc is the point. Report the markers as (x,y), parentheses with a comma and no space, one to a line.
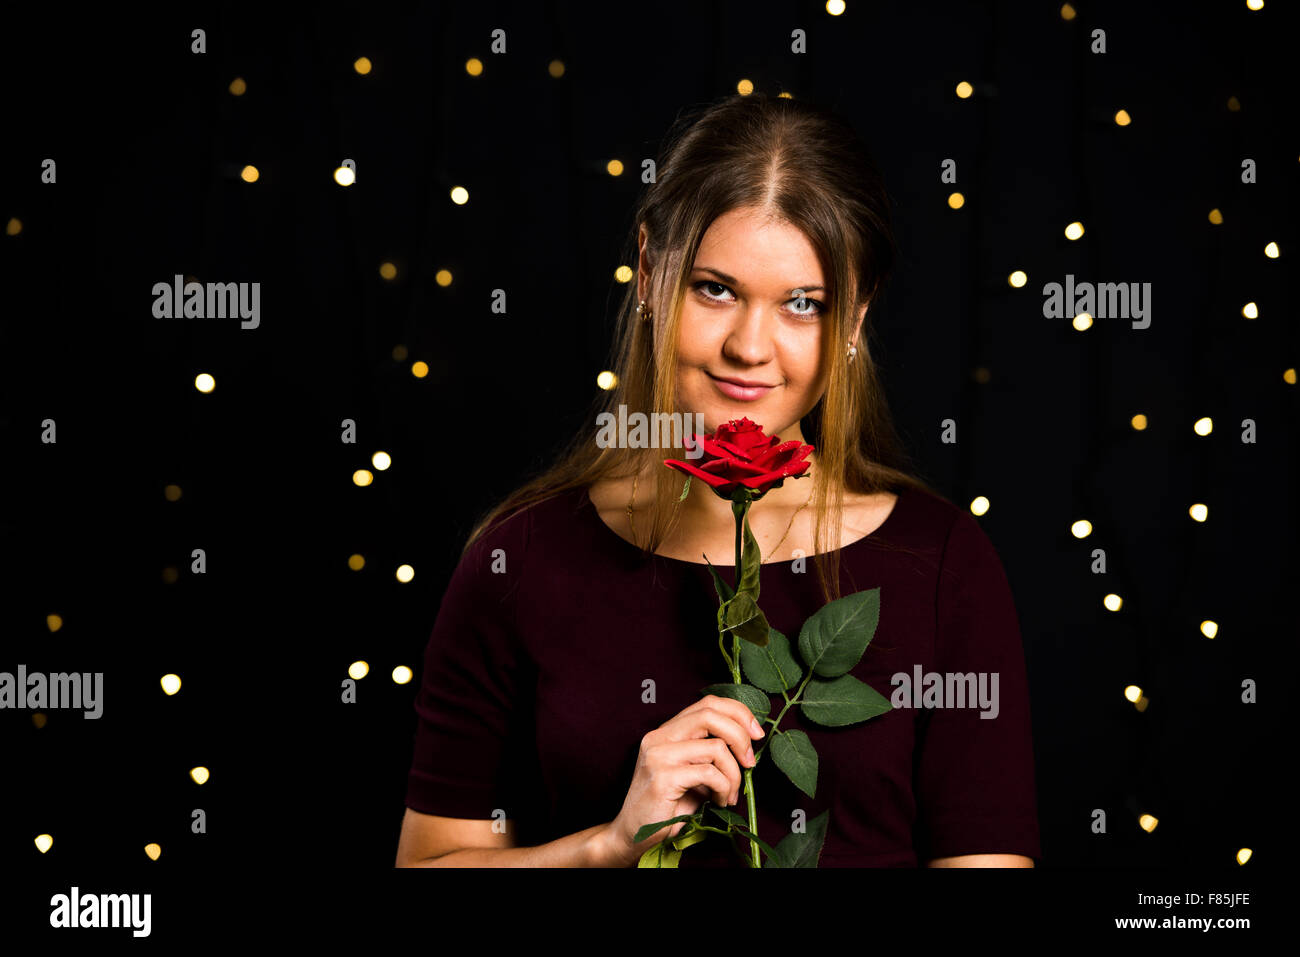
(806,300)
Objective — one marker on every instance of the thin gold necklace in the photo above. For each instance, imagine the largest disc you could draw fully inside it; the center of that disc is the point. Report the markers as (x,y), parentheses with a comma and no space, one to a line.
(773,551)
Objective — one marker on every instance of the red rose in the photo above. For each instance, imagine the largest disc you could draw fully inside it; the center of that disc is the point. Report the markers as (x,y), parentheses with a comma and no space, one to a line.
(739,455)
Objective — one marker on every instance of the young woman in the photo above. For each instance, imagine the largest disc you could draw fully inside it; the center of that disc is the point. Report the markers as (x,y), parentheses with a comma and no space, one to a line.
(560,710)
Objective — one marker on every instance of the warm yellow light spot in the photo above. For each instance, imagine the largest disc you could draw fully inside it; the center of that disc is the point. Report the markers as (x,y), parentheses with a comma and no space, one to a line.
(1250,310)
(401,675)
(1113,602)
(1082,321)
(1067,12)
(399,353)
(442,277)
(1234,105)
(38,719)
(614,167)
(1122,118)
(459,195)
(362,65)
(1203,426)
(249,174)
(623,274)
(199,774)
(607,380)
(1216,217)
(14,226)
(555,68)
(1199,512)
(356,562)
(474,66)
(344,176)
(170,575)
(835,7)
(1254,4)
(1243,855)
(1148,822)
(1289,376)
(381,461)
(1209,628)
(419,369)
(1132,692)
(153,850)
(1018,278)
(1139,422)
(362,477)
(204,382)
(1271,251)
(956,200)
(1141,703)
(1074,230)
(964,89)
(44,842)
(784,96)
(358,670)
(745,87)
(172,493)
(981,375)
(405,573)
(979,505)
(387,270)
(1081,529)
(170,684)
(53,622)
(237,86)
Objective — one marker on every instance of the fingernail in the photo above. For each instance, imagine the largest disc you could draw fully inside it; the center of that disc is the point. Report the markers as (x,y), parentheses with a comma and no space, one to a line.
(756,727)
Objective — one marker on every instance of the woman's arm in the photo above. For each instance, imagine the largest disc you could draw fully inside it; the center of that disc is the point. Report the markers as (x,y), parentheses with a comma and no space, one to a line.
(983,860)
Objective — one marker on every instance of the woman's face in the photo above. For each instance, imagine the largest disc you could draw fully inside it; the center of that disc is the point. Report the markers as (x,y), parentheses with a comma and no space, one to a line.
(755,311)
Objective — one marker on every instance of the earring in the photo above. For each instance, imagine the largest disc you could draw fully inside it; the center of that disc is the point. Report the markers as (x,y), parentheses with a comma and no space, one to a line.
(853,351)
(643,312)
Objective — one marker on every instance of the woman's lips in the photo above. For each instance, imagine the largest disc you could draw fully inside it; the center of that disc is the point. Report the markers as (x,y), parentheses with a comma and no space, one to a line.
(740,392)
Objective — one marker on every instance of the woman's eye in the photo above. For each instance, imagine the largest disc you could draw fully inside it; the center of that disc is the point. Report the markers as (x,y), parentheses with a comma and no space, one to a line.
(804,301)
(701,285)
(802,304)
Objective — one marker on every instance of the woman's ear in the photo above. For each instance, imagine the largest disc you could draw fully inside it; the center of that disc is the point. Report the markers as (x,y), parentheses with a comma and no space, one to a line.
(643,264)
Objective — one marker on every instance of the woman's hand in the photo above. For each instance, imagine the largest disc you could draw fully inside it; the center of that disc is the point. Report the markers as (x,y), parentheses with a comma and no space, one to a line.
(679,767)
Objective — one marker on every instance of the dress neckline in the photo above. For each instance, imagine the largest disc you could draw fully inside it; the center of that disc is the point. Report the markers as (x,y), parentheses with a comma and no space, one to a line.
(595,513)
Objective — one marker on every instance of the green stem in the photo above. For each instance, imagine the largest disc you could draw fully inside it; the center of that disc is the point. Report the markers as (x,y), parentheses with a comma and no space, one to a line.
(772,732)
(748,774)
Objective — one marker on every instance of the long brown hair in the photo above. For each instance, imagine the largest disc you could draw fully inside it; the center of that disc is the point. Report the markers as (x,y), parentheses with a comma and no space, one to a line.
(801,164)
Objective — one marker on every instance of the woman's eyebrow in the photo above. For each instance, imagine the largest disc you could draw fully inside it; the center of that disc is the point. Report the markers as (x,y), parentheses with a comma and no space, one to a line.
(733,281)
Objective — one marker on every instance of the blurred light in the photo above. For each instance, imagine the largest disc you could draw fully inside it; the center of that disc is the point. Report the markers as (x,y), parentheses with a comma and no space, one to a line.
(1018,278)
(784,96)
(1067,12)
(459,195)
(362,478)
(53,622)
(381,461)
(1216,217)
(1199,512)
(200,775)
(1203,426)
(835,7)
(745,87)
(401,674)
(1082,321)
(1141,703)
(356,562)
(1132,692)
(362,65)
(399,352)
(237,86)
(153,851)
(358,670)
(172,493)
(981,375)
(14,226)
(964,89)
(614,167)
(979,505)
(1234,105)
(1289,376)
(419,369)
(405,573)
(1250,310)
(1139,421)
(1209,628)
(442,277)
(623,274)
(171,684)
(1243,855)
(1148,822)
(1254,4)
(1081,529)
(204,382)
(1074,230)
(1113,602)
(38,719)
(956,200)
(249,174)
(1122,118)
(1271,251)
(387,270)
(474,66)
(555,68)
(607,380)
(344,176)
(44,842)
(170,575)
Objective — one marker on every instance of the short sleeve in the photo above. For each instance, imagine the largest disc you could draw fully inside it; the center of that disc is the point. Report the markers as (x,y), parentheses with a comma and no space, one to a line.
(473,706)
(975,786)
